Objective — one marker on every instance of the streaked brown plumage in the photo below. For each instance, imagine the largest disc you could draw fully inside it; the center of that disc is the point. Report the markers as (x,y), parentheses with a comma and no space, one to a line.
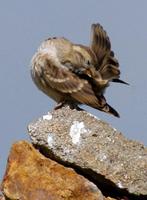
(76,74)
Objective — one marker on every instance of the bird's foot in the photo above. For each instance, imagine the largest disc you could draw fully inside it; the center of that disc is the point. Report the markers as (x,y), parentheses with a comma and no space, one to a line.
(71,105)
(59,105)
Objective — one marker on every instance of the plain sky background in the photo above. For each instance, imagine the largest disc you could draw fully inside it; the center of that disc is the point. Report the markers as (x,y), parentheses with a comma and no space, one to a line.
(24,24)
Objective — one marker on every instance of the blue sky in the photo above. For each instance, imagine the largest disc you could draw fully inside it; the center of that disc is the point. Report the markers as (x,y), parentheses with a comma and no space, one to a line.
(24,24)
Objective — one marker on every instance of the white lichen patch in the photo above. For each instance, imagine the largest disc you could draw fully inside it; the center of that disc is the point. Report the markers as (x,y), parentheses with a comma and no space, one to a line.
(114,129)
(76,129)
(102,157)
(91,115)
(50,140)
(47,117)
(119,184)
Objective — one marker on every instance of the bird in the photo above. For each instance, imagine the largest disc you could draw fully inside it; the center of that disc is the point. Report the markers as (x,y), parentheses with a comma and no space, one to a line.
(76,74)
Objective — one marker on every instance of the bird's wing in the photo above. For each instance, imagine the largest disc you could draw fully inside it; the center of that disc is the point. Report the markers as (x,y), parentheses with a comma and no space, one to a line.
(63,80)
(60,78)
(100,42)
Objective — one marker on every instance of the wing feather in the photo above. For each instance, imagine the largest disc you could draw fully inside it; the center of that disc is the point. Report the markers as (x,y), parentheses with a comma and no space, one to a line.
(61,78)
(65,81)
(100,42)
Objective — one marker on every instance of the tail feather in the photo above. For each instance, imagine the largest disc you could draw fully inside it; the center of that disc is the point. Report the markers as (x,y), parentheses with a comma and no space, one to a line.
(119,81)
(105,107)
(108,109)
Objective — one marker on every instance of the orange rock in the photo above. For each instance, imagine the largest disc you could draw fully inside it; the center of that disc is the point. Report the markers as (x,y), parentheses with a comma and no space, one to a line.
(31,176)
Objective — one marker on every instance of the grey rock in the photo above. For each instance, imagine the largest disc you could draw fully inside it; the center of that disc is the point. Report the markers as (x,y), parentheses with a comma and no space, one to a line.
(79,139)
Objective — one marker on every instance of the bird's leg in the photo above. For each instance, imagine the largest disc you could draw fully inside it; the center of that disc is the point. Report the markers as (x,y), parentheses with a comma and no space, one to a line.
(74,106)
(69,103)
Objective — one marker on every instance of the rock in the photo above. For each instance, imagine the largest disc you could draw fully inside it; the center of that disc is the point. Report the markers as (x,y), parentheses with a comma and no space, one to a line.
(31,176)
(1,194)
(2,197)
(94,149)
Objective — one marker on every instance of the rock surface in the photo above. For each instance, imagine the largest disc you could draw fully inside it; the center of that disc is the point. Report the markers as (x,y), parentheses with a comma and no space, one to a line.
(2,197)
(93,147)
(31,176)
